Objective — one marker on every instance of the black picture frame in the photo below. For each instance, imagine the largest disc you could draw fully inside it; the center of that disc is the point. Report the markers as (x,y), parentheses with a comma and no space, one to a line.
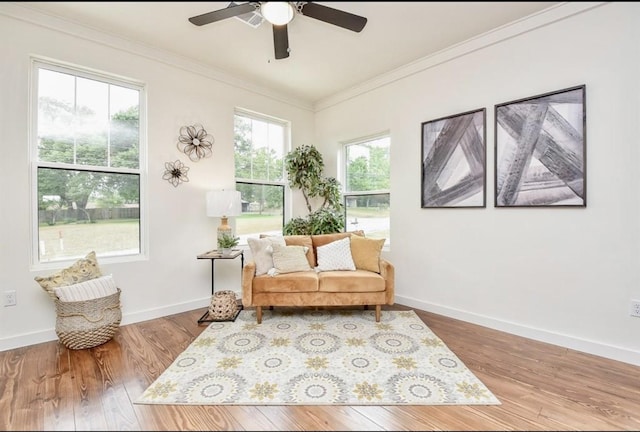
(540,150)
(453,161)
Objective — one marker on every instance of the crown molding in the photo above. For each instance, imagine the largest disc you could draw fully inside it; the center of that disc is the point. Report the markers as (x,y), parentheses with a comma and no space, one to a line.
(492,37)
(23,12)
(537,20)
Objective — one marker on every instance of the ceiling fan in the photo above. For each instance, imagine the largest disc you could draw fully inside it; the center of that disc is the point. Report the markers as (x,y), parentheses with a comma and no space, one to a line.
(279,14)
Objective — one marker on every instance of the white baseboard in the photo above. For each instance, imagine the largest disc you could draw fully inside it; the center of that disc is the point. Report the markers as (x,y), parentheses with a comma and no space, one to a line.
(566,341)
(26,339)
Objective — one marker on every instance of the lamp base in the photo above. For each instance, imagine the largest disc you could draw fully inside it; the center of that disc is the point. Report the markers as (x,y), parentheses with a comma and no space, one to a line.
(223,229)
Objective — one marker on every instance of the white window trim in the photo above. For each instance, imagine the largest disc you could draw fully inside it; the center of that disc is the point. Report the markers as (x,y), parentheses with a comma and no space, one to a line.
(35,63)
(287,204)
(342,161)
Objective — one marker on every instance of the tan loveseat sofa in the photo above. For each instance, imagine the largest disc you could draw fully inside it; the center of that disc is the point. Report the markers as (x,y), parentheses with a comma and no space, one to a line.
(326,288)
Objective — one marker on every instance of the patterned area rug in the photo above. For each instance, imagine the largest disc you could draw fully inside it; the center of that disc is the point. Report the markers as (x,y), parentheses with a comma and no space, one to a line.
(325,357)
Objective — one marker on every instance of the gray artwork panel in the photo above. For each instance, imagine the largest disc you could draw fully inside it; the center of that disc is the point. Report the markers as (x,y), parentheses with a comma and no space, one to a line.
(540,151)
(454,161)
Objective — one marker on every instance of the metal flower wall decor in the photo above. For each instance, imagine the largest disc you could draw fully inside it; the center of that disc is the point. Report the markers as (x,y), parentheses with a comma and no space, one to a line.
(175,172)
(195,142)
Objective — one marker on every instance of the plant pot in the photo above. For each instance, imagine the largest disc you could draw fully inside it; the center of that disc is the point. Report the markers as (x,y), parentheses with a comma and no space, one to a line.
(226,251)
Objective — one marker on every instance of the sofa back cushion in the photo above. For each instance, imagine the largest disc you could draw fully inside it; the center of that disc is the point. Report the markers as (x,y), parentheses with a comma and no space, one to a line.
(313,241)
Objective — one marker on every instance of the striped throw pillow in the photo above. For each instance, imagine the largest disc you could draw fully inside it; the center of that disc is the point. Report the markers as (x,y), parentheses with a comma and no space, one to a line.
(91,289)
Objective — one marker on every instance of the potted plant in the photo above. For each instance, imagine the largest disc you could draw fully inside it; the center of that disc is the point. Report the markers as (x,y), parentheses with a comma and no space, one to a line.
(226,242)
(305,167)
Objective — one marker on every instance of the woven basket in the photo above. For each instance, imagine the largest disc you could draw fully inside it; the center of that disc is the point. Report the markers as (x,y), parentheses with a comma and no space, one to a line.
(88,323)
(223,305)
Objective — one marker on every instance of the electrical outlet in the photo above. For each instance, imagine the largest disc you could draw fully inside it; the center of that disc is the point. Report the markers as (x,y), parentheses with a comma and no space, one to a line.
(10,298)
(635,308)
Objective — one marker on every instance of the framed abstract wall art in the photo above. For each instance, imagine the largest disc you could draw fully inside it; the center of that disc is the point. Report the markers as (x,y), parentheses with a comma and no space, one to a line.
(540,150)
(454,161)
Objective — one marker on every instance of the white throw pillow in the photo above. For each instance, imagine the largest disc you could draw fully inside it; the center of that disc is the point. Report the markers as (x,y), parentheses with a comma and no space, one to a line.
(93,288)
(289,259)
(335,256)
(262,252)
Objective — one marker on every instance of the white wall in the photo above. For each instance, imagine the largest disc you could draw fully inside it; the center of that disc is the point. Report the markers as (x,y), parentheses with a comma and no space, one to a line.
(564,276)
(179,93)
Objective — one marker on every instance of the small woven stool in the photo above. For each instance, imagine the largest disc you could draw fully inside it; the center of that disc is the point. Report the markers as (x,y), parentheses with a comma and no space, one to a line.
(223,305)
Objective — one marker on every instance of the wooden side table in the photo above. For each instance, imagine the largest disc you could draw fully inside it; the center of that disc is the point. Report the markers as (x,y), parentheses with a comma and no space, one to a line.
(213,256)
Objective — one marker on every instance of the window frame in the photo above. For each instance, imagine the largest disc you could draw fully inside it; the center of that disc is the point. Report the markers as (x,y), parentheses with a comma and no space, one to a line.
(344,171)
(38,63)
(286,147)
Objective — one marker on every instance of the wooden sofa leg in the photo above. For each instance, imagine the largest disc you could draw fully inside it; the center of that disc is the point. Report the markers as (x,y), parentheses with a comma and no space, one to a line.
(378,309)
(259,314)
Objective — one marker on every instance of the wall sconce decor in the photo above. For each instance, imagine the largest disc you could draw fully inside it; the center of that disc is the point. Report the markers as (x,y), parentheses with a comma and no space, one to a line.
(175,172)
(195,142)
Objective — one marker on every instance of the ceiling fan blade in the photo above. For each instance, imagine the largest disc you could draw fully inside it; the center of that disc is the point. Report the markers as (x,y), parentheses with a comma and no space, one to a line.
(333,16)
(230,11)
(281,41)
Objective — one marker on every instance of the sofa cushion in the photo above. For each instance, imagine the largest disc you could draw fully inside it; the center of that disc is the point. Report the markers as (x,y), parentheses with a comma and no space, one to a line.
(262,252)
(306,281)
(355,281)
(290,259)
(335,256)
(323,239)
(366,253)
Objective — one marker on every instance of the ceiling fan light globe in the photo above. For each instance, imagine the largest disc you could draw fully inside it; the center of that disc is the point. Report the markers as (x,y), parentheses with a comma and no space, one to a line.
(277,13)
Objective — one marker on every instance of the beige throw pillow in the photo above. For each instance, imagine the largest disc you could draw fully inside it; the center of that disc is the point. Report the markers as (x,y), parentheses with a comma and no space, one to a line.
(82,270)
(262,252)
(289,259)
(366,253)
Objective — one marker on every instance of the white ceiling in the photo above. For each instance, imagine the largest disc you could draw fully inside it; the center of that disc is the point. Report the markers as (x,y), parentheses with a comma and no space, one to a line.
(325,59)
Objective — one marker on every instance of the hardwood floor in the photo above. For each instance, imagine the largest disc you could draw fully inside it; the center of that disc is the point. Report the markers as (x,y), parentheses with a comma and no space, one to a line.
(541,387)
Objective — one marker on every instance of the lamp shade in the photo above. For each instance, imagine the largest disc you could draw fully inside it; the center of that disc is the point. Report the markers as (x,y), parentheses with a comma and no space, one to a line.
(223,203)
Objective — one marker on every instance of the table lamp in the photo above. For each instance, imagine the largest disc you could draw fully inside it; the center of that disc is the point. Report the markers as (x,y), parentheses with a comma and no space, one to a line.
(224,204)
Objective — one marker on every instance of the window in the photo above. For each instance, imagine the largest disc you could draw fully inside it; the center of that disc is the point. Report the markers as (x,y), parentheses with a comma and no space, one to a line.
(87,164)
(260,148)
(367,186)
